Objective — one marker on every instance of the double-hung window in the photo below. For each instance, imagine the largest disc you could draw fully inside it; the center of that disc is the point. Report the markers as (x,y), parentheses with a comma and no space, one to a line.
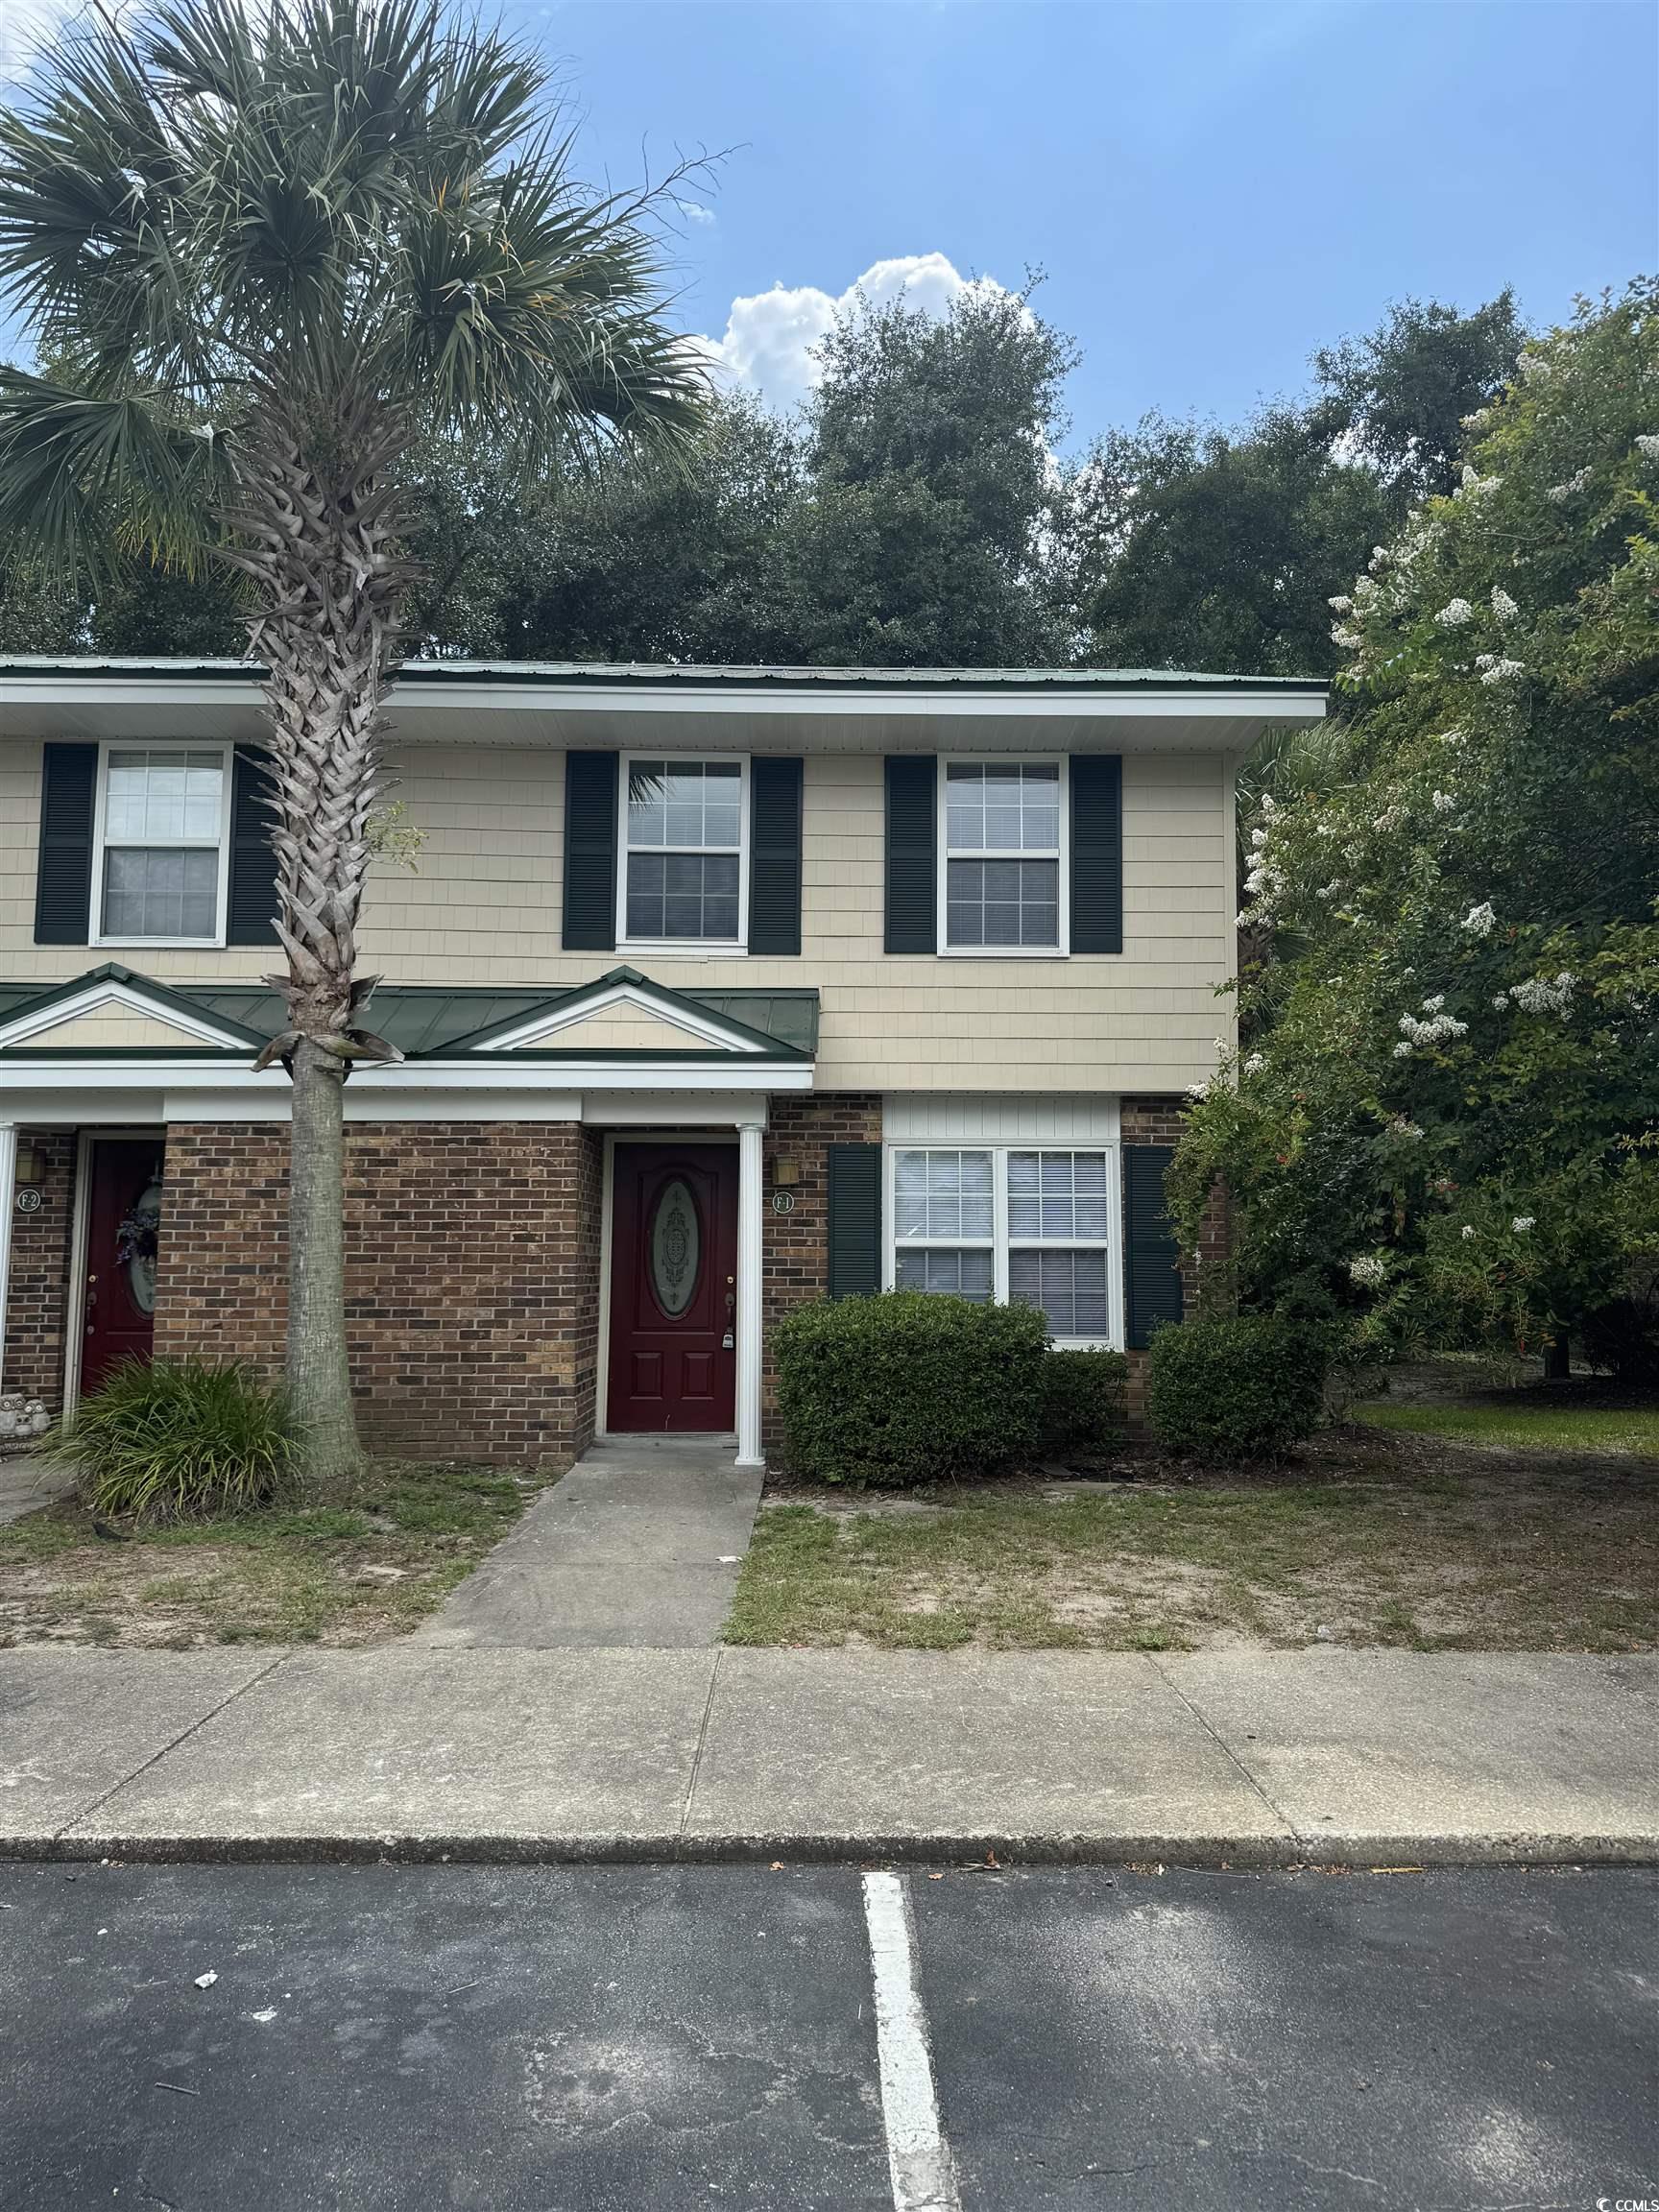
(1011,1222)
(684,856)
(1003,830)
(160,857)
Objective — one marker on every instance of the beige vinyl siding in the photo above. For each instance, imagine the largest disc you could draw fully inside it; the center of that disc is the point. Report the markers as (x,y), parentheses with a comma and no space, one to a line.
(483,906)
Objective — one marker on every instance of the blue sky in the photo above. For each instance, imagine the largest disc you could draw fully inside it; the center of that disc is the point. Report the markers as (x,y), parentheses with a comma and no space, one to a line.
(1213,190)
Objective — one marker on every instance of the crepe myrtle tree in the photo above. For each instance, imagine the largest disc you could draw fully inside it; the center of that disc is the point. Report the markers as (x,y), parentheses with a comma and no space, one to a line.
(273,244)
(1444,1125)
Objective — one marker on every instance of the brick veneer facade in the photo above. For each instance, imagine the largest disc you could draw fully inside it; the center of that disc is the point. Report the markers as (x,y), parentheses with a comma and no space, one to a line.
(37,1300)
(796,1244)
(471,1274)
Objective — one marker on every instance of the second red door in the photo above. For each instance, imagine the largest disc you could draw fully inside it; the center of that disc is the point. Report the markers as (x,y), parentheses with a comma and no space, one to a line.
(673,1290)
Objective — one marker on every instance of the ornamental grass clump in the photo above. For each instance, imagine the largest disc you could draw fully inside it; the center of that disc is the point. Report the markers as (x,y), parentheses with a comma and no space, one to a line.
(177,1439)
(907,1388)
(1236,1386)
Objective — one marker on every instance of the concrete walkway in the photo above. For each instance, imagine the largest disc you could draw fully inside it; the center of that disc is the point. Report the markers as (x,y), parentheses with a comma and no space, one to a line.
(1366,1757)
(639,1547)
(27,1484)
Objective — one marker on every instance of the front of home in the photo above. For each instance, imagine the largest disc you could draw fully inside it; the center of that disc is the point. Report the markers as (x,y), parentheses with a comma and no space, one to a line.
(717,989)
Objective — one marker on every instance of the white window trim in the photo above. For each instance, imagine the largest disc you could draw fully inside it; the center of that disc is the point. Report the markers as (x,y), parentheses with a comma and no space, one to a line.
(684,948)
(1060,952)
(1112,1243)
(227,757)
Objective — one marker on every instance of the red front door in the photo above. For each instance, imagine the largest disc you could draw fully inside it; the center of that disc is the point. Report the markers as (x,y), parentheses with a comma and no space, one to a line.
(673,1289)
(123,1223)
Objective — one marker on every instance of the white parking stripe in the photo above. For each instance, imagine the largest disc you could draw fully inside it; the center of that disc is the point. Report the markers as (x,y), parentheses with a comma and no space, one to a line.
(918,2155)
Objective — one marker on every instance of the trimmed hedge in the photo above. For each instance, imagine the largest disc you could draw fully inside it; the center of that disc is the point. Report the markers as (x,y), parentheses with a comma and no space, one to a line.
(1236,1386)
(1084,1404)
(906,1388)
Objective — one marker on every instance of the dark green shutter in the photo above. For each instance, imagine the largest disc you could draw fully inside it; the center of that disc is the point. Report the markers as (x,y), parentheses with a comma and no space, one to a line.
(775,855)
(63,879)
(854,1221)
(1151,1278)
(250,902)
(590,852)
(912,852)
(1097,852)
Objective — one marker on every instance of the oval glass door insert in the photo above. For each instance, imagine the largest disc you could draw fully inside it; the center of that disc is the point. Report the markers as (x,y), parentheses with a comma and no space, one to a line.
(675,1249)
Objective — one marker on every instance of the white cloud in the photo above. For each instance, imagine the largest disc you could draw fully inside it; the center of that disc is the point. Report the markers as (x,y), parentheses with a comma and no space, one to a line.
(770,335)
(694,211)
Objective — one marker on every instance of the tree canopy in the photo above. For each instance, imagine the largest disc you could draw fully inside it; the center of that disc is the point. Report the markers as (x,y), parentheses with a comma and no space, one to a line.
(1445,1125)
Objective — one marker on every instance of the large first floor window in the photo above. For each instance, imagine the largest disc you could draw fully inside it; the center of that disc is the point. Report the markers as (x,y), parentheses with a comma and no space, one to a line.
(683,852)
(162,846)
(1010,1221)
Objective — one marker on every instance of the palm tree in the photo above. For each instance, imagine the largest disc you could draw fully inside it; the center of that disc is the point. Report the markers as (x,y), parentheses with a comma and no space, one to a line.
(272,243)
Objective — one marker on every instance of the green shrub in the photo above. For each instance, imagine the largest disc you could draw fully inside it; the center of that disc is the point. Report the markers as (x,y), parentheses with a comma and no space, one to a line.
(1084,1404)
(905,1388)
(1236,1386)
(1621,1338)
(177,1438)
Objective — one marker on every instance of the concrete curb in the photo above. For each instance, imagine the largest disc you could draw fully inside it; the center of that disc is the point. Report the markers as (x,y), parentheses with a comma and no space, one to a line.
(1354,1853)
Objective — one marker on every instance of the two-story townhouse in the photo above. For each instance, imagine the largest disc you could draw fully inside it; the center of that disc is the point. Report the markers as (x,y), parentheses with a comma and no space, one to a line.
(717,989)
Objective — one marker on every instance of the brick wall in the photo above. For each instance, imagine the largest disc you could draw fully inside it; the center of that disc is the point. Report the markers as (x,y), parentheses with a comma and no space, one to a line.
(37,1302)
(797,1243)
(471,1275)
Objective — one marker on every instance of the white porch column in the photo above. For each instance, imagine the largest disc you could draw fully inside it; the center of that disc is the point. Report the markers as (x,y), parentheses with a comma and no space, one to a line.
(8,1207)
(749,1268)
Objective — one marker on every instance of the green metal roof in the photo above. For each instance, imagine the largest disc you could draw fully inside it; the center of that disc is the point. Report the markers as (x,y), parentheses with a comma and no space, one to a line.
(643,675)
(423,1019)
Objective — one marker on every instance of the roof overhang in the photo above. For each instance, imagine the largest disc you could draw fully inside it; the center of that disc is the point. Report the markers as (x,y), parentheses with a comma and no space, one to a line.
(450,703)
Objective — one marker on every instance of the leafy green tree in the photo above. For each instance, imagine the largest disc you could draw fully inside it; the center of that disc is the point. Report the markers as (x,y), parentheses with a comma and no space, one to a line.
(277,244)
(1198,547)
(926,540)
(1444,1125)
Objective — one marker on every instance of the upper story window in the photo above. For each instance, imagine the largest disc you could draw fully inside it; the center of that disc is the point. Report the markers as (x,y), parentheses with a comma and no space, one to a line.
(160,845)
(1004,1222)
(1002,885)
(684,877)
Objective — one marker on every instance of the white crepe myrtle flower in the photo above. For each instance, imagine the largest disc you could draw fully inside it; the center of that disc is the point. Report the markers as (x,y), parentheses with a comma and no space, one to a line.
(1434,1031)
(1647,446)
(1502,606)
(1480,919)
(1434,1004)
(1255,1063)
(1541,995)
(1407,1130)
(1495,670)
(1522,1222)
(1387,820)
(1197,1090)
(1501,1003)
(1475,422)
(1257,836)
(1533,366)
(1340,604)
(1350,639)
(1475,486)
(1444,801)
(1368,1270)
(1577,482)
(1466,1232)
(1403,1051)
(1454,613)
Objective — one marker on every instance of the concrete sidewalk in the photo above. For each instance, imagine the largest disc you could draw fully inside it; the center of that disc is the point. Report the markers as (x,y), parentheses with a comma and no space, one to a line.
(1376,1757)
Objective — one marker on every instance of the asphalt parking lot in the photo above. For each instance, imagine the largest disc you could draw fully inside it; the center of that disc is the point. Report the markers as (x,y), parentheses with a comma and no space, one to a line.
(620,2038)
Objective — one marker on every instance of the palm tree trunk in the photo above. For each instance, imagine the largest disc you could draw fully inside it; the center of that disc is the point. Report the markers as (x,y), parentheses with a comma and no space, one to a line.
(315,528)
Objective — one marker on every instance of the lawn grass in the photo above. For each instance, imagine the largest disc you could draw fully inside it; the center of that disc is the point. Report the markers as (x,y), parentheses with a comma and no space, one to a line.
(1373,1540)
(1518,1425)
(363,1566)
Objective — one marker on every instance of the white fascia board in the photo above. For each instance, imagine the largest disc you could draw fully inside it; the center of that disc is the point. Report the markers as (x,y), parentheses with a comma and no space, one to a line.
(182,1079)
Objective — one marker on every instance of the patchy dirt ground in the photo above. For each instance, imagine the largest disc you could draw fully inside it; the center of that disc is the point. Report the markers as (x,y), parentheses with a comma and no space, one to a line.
(1368,1538)
(362,1568)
